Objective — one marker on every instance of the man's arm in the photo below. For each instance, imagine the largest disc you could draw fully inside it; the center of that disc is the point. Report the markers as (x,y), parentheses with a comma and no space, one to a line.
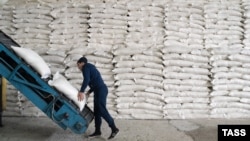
(90,91)
(86,79)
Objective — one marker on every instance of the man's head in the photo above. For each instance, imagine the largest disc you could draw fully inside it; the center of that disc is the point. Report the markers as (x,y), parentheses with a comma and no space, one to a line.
(81,62)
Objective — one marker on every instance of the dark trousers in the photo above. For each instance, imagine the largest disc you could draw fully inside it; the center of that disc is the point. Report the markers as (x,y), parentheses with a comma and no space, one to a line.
(100,110)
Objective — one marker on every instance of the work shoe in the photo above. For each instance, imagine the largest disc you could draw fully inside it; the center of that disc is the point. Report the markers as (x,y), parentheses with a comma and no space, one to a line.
(95,134)
(113,133)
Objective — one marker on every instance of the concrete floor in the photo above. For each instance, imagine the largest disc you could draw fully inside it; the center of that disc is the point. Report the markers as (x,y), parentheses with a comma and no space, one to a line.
(43,129)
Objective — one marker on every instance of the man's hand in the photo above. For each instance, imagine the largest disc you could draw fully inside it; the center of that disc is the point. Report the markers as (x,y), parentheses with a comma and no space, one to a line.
(80,96)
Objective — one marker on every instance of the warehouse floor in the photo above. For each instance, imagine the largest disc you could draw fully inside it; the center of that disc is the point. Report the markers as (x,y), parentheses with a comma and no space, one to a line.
(43,129)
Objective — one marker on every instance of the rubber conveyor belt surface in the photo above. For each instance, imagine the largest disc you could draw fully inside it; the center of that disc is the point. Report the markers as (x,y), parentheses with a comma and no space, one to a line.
(54,104)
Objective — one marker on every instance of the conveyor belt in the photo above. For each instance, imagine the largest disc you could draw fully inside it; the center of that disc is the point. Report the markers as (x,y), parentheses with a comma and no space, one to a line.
(54,104)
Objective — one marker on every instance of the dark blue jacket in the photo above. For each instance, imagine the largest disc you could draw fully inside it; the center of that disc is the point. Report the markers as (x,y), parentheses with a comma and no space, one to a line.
(91,77)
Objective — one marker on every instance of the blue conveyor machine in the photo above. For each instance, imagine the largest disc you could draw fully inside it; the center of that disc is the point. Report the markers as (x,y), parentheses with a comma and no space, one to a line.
(53,103)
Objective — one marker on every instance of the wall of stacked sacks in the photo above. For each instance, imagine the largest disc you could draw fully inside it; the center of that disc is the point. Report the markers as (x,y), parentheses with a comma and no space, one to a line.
(161,59)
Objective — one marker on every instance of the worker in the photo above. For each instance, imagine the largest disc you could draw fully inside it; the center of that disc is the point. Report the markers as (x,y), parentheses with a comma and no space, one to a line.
(93,79)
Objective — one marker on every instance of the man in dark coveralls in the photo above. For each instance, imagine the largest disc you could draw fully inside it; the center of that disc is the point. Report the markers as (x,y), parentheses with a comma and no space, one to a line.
(93,79)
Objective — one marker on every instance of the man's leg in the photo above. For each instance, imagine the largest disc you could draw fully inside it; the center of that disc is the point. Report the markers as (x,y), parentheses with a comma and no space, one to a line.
(102,98)
(107,117)
(98,120)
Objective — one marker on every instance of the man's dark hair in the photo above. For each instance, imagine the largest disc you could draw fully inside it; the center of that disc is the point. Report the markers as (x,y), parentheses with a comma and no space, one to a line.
(83,59)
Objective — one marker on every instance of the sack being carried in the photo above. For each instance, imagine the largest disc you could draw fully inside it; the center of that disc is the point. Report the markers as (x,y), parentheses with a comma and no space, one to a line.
(34,60)
(63,86)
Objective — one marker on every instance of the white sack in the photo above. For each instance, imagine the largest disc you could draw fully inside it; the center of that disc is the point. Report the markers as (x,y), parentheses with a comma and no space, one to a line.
(63,85)
(2,2)
(33,59)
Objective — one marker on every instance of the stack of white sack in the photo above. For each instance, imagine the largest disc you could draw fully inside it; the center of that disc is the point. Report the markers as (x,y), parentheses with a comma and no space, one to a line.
(69,31)
(108,28)
(31,21)
(3,2)
(223,24)
(186,63)
(12,98)
(6,16)
(224,30)
(246,8)
(29,27)
(52,2)
(69,36)
(138,65)
(231,83)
